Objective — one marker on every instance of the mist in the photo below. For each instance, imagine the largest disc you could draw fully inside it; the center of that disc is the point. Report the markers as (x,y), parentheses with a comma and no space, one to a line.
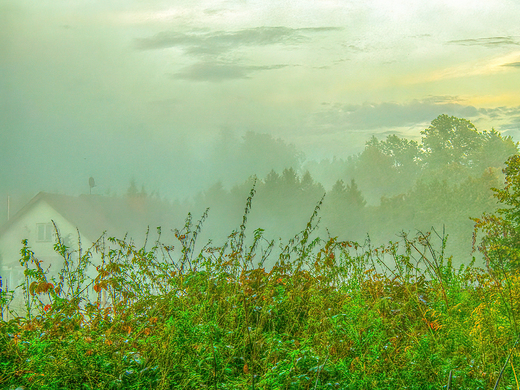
(189,102)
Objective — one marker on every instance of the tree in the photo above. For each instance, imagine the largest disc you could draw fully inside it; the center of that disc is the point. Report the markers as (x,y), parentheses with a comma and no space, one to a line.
(132,192)
(235,159)
(501,242)
(495,150)
(450,140)
(255,147)
(344,211)
(454,150)
(406,154)
(272,180)
(290,180)
(338,194)
(376,173)
(354,196)
(510,194)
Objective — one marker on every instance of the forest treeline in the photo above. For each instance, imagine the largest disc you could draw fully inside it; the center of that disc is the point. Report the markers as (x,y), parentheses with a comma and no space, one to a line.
(393,185)
(328,314)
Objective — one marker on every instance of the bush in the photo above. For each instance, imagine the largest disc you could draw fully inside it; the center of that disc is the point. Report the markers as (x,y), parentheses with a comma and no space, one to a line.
(329,314)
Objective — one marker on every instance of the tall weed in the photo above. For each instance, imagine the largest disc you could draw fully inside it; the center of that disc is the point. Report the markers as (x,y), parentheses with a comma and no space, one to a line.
(328,314)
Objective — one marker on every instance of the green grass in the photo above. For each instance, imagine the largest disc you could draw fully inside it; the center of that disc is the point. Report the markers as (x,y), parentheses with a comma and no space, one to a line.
(328,315)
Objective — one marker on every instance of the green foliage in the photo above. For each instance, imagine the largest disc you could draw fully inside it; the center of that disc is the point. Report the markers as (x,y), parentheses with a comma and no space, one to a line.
(330,314)
(394,183)
(510,194)
(501,241)
(327,314)
(451,140)
(455,146)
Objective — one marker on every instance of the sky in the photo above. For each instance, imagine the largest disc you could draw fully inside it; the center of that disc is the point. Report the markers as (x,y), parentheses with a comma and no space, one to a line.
(145,89)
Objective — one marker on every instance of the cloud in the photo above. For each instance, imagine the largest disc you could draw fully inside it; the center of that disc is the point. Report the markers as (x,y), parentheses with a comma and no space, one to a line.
(513,64)
(512,127)
(216,72)
(442,99)
(500,112)
(370,116)
(488,41)
(218,42)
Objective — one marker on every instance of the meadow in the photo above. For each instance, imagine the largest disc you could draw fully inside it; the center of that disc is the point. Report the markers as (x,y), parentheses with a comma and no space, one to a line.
(328,314)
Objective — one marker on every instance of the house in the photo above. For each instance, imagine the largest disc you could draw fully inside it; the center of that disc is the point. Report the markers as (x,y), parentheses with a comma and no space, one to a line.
(76,219)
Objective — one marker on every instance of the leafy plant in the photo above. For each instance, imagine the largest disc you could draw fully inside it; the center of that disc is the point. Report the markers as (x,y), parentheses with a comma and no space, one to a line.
(328,314)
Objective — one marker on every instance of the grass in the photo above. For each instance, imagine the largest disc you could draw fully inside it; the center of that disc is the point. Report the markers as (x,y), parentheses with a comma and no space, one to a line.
(328,315)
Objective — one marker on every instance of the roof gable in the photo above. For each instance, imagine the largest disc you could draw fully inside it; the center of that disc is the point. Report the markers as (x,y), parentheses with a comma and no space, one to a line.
(94,214)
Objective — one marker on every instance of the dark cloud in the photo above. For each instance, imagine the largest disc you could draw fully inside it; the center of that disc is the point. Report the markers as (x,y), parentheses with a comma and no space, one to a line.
(507,119)
(500,112)
(370,116)
(513,64)
(488,41)
(436,99)
(512,127)
(385,134)
(218,42)
(214,11)
(216,72)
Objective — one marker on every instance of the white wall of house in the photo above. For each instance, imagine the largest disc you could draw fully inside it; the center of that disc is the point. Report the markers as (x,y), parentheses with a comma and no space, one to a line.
(36,226)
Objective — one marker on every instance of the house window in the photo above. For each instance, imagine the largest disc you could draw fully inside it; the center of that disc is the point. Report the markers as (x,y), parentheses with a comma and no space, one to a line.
(44,231)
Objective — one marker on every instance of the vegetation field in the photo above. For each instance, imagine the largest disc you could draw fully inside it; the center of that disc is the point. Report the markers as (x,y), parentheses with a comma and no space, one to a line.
(308,313)
(329,314)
